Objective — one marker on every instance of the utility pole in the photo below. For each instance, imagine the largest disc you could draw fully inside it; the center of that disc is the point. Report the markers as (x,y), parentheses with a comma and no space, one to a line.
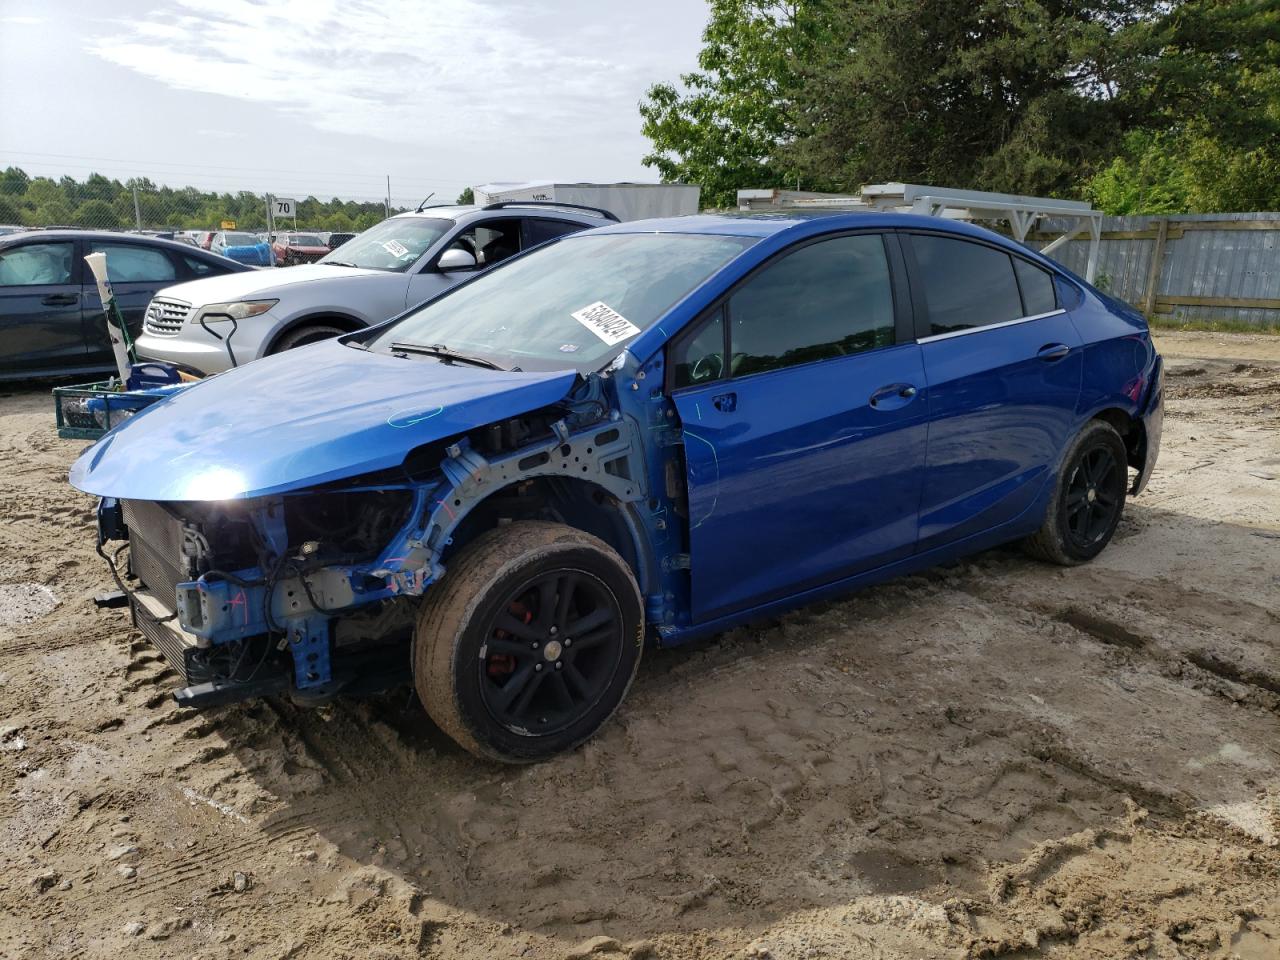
(270,219)
(388,203)
(137,212)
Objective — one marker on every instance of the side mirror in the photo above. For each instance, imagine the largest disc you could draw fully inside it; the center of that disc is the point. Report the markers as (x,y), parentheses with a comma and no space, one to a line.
(455,259)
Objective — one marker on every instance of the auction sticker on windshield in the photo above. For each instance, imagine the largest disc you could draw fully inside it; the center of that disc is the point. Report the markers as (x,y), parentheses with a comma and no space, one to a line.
(605,322)
(395,248)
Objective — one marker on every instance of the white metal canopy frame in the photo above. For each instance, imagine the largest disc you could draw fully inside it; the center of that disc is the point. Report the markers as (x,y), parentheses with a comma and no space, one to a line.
(1020,212)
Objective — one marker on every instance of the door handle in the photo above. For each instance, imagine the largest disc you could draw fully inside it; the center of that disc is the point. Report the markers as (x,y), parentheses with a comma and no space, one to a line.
(892,396)
(726,402)
(60,299)
(1053,351)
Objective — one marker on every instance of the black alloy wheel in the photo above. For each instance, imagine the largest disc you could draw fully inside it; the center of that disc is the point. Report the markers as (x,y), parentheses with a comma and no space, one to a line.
(1095,495)
(529,642)
(1088,498)
(551,652)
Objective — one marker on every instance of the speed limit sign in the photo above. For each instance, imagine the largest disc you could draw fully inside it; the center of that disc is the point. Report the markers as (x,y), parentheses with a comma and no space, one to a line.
(282,207)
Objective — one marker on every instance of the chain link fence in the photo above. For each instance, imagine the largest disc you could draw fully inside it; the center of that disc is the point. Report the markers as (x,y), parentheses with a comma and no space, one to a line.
(138,204)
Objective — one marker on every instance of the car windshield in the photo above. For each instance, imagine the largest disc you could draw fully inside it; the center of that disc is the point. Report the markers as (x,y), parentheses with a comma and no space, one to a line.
(305,240)
(241,240)
(394,244)
(570,305)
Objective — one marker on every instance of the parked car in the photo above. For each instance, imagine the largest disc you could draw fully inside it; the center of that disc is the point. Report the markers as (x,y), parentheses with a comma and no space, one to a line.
(243,248)
(294,248)
(204,239)
(335,240)
(400,262)
(51,319)
(648,431)
(7,228)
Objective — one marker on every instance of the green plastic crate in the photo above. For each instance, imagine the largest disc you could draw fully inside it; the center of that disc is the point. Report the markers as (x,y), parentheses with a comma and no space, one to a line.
(88,410)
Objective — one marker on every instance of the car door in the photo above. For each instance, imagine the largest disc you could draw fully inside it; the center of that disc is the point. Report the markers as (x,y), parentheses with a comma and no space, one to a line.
(1003,364)
(489,242)
(40,307)
(804,453)
(136,273)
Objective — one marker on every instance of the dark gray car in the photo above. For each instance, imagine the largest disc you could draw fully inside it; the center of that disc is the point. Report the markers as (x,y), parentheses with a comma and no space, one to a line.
(51,320)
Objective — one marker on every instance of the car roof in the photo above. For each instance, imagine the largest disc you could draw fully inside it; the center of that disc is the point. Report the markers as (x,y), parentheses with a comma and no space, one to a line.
(769,224)
(69,234)
(463,211)
(185,249)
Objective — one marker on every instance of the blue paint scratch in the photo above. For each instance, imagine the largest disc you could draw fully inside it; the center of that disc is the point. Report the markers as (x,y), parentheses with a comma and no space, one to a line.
(407,418)
(715,496)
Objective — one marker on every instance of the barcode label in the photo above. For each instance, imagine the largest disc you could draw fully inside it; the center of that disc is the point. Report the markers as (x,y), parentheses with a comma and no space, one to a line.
(605,322)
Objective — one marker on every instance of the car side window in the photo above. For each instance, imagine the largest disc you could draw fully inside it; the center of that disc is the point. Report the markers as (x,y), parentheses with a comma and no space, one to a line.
(34,264)
(490,242)
(539,231)
(1036,284)
(129,264)
(700,358)
(826,299)
(966,284)
(198,268)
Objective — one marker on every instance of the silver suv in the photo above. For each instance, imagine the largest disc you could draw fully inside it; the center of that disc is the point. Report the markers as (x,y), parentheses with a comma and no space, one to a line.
(209,325)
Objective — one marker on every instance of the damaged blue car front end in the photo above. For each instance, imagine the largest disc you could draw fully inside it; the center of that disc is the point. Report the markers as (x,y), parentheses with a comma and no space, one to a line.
(278,545)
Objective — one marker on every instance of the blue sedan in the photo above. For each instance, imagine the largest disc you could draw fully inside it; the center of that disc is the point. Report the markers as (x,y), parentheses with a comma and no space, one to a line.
(635,435)
(243,248)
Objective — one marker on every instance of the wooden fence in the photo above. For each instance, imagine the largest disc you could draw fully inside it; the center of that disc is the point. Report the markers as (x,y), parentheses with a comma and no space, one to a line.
(1185,267)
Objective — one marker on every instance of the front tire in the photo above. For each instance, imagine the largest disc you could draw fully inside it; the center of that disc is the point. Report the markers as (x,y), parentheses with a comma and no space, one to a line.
(1088,499)
(530,641)
(305,335)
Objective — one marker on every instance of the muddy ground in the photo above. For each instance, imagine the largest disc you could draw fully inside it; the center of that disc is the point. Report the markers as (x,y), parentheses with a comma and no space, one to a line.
(998,759)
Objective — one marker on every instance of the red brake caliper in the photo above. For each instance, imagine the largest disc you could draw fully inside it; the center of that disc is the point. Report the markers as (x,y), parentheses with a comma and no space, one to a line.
(501,665)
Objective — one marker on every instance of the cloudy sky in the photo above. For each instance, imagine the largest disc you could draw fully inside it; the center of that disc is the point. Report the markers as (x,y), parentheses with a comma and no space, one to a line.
(326,97)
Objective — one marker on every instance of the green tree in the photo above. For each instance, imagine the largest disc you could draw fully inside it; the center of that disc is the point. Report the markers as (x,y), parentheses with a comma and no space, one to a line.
(54,212)
(1208,136)
(722,125)
(988,95)
(466,197)
(1151,177)
(9,212)
(97,214)
(14,181)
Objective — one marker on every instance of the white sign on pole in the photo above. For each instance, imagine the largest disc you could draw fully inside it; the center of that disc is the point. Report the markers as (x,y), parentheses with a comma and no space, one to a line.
(283,207)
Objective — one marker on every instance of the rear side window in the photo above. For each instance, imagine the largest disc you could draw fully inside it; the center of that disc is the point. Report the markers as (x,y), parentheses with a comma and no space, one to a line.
(200,268)
(540,231)
(1037,288)
(827,299)
(130,264)
(966,284)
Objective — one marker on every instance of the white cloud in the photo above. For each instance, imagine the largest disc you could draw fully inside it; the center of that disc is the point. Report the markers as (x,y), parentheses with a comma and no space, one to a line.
(448,72)
(22,21)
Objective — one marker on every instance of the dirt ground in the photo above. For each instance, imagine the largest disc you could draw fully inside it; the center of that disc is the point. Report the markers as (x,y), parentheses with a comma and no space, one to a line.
(997,759)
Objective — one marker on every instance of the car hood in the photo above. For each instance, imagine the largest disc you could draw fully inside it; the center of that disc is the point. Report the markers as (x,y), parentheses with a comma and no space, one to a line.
(256,283)
(309,416)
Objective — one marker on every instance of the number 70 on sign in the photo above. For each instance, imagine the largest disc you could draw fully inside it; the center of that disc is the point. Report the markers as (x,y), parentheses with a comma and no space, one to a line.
(282,207)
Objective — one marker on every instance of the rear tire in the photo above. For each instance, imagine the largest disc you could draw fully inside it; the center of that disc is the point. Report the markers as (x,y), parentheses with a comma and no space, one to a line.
(530,641)
(1088,499)
(305,335)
